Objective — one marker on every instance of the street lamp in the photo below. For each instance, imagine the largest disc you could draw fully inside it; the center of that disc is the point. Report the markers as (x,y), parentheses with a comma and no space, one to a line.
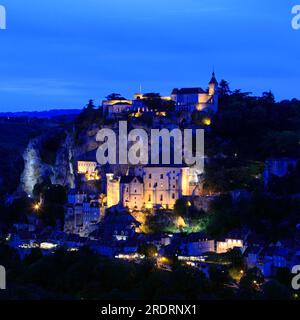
(37,207)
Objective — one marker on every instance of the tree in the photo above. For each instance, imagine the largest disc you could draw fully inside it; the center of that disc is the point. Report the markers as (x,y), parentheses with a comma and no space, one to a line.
(281,144)
(219,276)
(50,145)
(268,98)
(55,193)
(224,88)
(33,256)
(252,280)
(115,96)
(89,116)
(235,256)
(9,257)
(274,290)
(19,209)
(154,102)
(90,105)
(181,207)
(284,276)
(52,211)
(148,250)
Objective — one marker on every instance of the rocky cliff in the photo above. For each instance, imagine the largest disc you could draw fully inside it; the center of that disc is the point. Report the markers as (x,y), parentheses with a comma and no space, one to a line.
(56,164)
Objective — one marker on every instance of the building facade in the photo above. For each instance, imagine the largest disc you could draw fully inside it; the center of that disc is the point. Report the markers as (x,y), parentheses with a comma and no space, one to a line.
(186,99)
(82,214)
(112,108)
(88,169)
(190,99)
(155,186)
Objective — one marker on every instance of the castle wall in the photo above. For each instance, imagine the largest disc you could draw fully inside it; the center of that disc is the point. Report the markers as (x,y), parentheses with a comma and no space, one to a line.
(113,191)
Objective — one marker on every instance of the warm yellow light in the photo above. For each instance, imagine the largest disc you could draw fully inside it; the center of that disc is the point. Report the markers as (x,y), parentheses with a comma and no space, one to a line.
(163,260)
(180,222)
(206,121)
(37,207)
(161,114)
(47,245)
(93,176)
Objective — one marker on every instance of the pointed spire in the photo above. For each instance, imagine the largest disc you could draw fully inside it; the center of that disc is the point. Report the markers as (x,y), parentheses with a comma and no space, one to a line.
(213,79)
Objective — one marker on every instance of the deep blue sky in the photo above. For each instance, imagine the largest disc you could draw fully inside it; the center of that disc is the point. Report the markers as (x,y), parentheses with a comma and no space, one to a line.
(60,53)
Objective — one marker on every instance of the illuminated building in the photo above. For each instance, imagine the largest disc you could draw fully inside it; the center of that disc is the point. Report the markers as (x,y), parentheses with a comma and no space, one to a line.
(164,185)
(113,190)
(132,192)
(88,169)
(154,186)
(190,99)
(196,244)
(136,106)
(228,244)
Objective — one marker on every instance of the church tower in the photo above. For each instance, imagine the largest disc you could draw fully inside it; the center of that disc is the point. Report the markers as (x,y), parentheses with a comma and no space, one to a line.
(113,190)
(213,85)
(213,93)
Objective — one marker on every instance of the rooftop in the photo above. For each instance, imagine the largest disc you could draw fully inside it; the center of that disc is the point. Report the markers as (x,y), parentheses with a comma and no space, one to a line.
(188,91)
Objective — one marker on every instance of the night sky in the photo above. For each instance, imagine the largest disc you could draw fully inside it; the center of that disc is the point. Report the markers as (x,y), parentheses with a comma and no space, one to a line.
(60,53)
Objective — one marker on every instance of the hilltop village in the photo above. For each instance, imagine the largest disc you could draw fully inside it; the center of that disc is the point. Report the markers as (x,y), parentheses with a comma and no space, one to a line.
(239,213)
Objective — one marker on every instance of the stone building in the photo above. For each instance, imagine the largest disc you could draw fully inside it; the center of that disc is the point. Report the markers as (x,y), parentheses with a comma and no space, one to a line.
(89,169)
(190,99)
(153,187)
(81,214)
(186,99)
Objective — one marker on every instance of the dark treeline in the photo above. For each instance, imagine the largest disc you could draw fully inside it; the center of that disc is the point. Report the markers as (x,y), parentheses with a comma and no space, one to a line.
(85,275)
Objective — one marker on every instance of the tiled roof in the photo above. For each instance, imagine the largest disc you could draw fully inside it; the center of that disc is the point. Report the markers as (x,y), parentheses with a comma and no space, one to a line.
(128,179)
(188,91)
(213,79)
(122,104)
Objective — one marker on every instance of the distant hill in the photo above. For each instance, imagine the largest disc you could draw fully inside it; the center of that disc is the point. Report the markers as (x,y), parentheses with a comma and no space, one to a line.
(42,114)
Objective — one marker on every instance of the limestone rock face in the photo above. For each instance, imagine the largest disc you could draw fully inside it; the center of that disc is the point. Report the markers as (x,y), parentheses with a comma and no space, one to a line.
(32,167)
(63,170)
(60,172)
